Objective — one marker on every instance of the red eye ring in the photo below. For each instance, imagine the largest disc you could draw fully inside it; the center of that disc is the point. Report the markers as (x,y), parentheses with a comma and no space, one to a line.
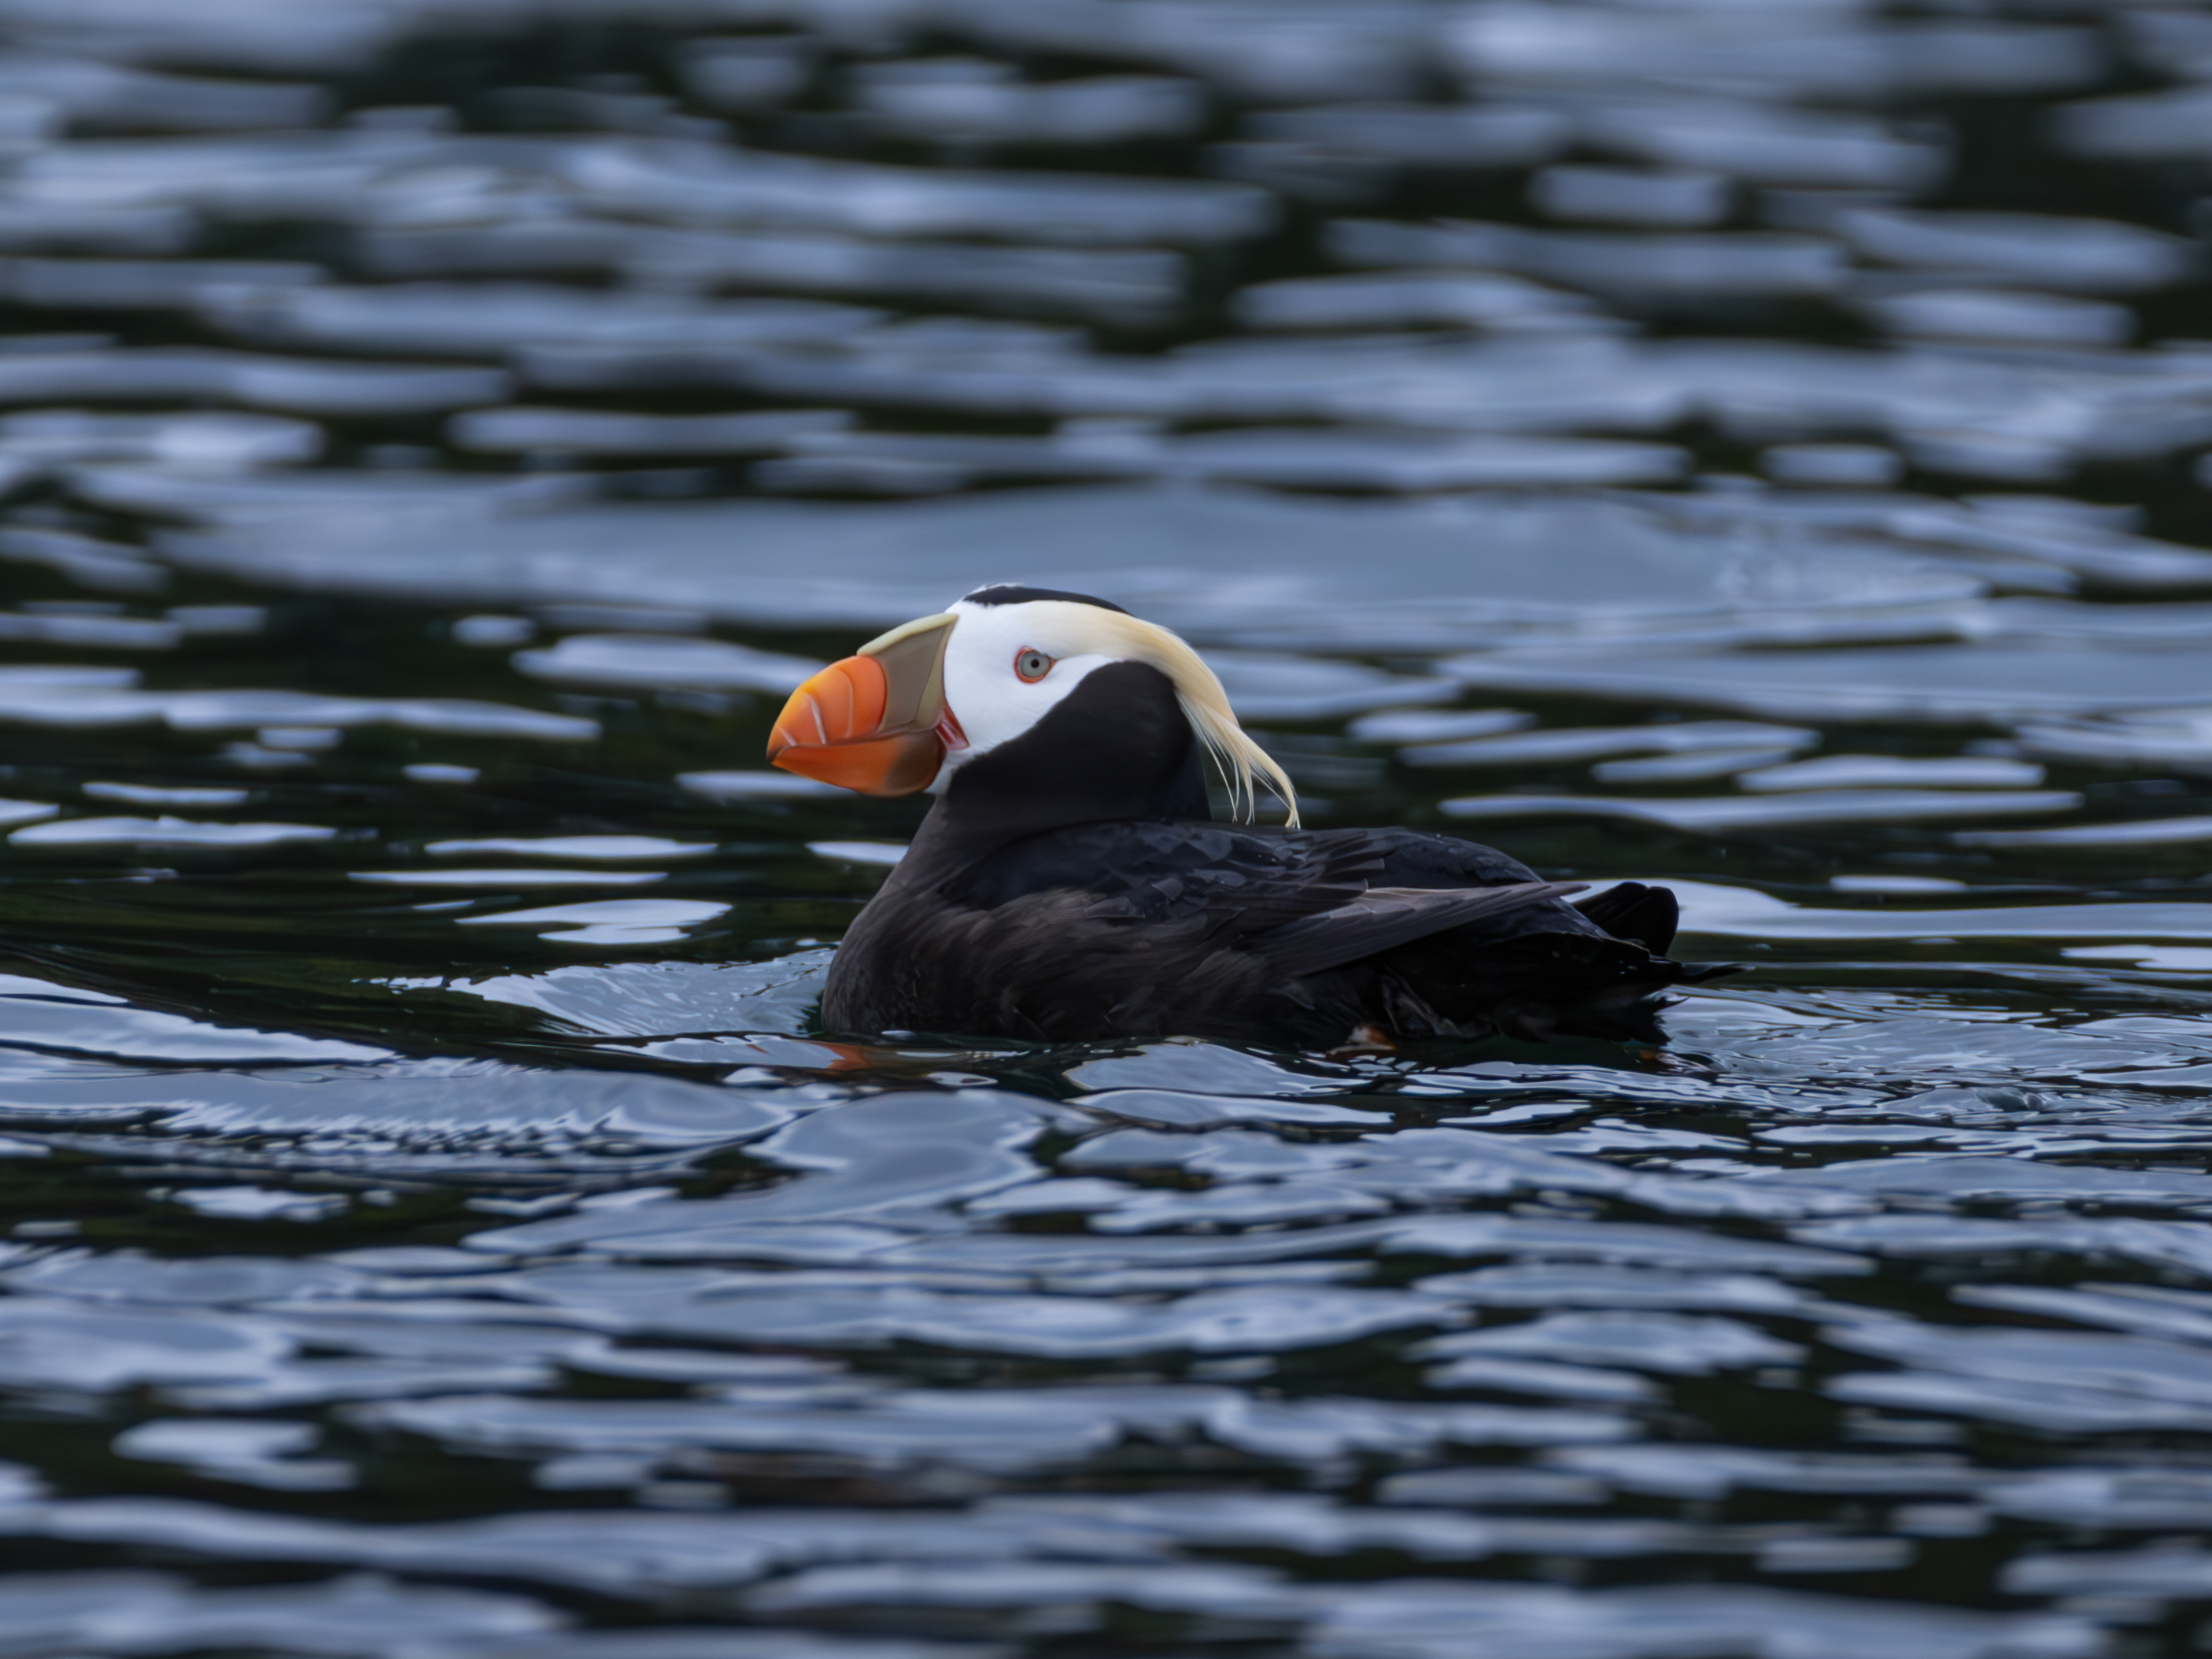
(1032,665)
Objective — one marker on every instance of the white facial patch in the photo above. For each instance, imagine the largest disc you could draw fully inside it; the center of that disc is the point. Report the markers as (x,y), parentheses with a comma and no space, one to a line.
(993,702)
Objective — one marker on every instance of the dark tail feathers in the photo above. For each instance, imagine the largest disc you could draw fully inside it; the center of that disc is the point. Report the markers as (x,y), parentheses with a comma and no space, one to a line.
(1646,915)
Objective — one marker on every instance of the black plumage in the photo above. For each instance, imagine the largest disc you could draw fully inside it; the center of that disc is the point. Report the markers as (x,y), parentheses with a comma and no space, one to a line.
(1068,886)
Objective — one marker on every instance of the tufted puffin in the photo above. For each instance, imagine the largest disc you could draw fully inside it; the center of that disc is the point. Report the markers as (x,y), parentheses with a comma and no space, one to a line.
(1070,883)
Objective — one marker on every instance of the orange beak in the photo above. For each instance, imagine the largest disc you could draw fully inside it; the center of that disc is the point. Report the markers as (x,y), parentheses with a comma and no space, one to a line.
(875,722)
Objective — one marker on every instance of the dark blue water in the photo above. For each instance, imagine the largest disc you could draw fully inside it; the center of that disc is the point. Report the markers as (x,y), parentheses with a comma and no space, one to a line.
(1750,446)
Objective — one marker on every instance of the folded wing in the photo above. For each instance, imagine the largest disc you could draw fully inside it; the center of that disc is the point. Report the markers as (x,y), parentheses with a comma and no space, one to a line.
(1384,918)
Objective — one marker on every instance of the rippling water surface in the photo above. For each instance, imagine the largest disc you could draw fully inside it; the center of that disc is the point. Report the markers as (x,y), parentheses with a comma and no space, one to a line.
(1753,447)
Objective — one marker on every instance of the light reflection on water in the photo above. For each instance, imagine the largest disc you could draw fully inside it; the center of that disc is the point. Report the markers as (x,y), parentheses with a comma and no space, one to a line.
(1755,449)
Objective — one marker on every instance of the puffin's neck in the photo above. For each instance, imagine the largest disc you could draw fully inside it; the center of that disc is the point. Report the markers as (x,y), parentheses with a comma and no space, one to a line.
(1118,746)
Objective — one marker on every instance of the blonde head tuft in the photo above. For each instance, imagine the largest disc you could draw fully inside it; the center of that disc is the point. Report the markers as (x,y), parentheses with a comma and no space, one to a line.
(1205,704)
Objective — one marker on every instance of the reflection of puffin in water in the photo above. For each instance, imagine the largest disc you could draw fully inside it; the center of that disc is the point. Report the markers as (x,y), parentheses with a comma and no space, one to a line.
(1068,884)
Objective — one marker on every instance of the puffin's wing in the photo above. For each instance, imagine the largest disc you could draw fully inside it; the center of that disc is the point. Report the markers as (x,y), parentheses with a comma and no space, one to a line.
(1383,917)
(1231,881)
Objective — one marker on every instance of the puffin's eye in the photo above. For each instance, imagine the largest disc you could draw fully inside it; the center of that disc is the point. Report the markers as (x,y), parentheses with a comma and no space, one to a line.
(1032,664)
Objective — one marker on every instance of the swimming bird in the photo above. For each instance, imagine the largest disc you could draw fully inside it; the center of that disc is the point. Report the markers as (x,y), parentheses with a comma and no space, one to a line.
(1070,883)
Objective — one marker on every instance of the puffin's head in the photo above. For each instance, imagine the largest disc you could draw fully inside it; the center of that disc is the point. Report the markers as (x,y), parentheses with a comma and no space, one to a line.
(930,698)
